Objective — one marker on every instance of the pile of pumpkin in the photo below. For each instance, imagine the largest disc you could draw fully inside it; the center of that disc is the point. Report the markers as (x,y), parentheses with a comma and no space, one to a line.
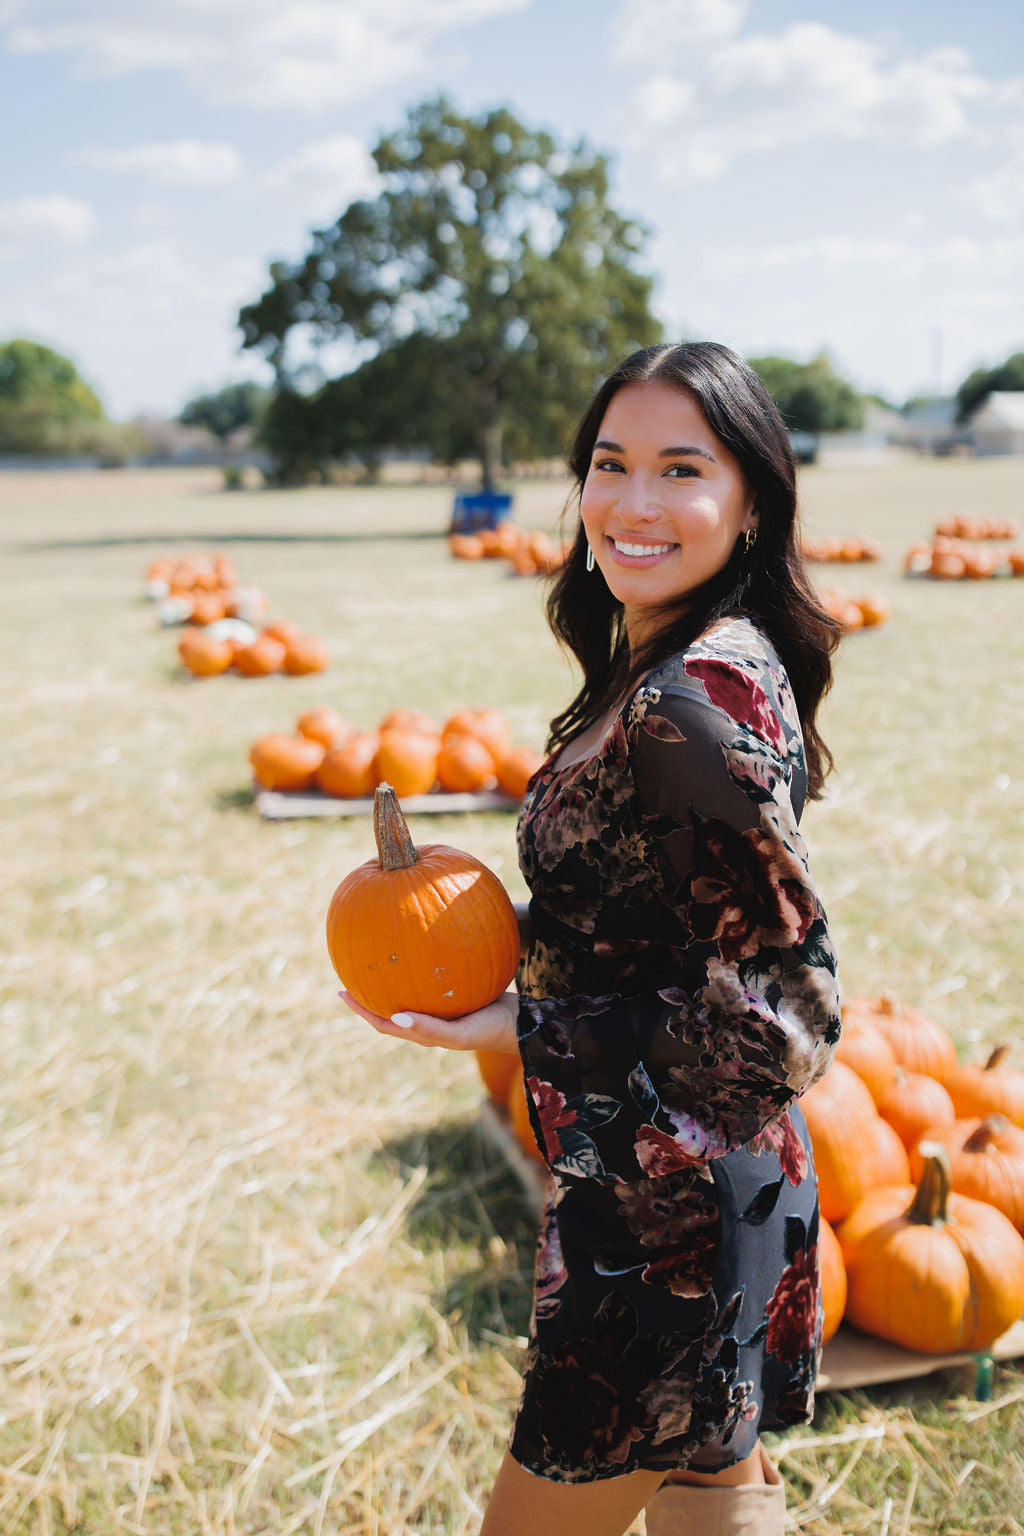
(472,751)
(233,645)
(954,559)
(960,527)
(848,551)
(854,612)
(201,589)
(920,1165)
(530,551)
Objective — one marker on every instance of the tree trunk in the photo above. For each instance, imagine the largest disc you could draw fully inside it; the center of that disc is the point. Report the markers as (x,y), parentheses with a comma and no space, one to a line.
(490,455)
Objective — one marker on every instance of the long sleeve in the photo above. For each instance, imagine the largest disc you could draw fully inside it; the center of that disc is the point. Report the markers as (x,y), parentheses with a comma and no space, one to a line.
(629,1085)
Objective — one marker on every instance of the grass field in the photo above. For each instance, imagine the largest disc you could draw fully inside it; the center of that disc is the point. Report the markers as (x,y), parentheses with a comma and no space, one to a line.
(260,1274)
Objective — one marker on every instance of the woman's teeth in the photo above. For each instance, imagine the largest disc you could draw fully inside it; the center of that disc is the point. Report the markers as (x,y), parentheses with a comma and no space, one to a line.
(642,549)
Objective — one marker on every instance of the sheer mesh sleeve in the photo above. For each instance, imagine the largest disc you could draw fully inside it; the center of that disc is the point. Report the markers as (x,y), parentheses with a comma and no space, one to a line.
(623,1087)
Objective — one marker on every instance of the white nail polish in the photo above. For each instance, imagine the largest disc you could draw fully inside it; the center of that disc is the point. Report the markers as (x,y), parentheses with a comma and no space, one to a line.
(403,1020)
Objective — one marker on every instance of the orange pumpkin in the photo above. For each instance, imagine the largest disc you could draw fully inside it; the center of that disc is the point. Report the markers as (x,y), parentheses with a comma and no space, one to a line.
(429,929)
(930,1270)
(324,725)
(465,546)
(515,769)
(304,654)
(890,1163)
(407,761)
(260,658)
(833,1278)
(349,768)
(285,762)
(405,719)
(202,656)
(920,1044)
(864,1048)
(464,765)
(283,630)
(519,1115)
(993,1089)
(497,1069)
(986,1160)
(208,607)
(840,1113)
(487,725)
(915,1102)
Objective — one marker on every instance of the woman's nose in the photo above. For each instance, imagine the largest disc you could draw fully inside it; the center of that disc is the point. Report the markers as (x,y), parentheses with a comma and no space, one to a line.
(638,499)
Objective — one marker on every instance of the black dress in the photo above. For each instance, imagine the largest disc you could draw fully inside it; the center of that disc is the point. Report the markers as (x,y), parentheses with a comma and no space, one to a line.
(678,994)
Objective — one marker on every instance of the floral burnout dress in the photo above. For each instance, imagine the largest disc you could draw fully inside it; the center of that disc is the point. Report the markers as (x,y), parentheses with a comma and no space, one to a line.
(678,994)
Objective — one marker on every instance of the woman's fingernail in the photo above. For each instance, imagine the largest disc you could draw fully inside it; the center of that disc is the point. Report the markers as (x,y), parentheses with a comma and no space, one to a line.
(403,1020)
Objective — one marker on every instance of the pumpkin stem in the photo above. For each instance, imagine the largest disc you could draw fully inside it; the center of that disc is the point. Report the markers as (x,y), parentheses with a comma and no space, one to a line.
(929,1208)
(996,1059)
(394,842)
(982,1137)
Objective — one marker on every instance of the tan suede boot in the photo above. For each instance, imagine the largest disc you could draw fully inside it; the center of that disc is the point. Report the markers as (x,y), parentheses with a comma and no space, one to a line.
(748,1509)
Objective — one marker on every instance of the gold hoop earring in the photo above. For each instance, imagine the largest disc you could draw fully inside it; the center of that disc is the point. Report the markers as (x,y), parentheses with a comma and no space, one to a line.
(590,557)
(751,540)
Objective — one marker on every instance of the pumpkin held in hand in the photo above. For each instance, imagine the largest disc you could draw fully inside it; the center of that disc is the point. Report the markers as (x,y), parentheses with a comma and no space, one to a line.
(430,929)
(930,1270)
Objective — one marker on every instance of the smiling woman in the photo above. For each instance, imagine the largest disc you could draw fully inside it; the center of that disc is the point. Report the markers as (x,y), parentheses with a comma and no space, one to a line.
(678,992)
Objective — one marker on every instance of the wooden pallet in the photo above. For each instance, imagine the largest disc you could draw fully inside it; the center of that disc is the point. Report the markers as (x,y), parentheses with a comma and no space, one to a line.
(850,1359)
(288,805)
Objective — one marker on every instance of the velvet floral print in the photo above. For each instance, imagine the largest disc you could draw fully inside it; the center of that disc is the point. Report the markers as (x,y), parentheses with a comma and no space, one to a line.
(678,996)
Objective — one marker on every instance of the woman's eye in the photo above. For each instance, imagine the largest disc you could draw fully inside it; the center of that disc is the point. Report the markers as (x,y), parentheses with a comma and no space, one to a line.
(609,464)
(683,471)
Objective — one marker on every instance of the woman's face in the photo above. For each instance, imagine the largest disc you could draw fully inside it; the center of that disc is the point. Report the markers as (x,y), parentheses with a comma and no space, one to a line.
(664,500)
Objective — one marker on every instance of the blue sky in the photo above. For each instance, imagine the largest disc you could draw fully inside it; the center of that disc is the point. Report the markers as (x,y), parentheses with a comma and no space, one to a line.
(814,176)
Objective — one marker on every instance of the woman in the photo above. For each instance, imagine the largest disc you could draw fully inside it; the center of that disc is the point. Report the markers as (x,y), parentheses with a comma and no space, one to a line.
(679,990)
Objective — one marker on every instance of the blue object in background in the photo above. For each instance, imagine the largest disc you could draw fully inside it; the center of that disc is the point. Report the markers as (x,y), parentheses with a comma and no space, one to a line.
(479,509)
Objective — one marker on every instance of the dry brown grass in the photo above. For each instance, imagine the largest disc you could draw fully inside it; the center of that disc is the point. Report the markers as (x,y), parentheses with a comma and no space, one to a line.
(260,1272)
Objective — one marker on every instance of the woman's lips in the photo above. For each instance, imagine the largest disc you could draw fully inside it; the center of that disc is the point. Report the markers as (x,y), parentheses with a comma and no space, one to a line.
(640,552)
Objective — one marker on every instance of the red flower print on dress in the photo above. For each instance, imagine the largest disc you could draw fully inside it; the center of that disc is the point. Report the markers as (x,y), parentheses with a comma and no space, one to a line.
(792,1311)
(553,1114)
(732,690)
(782,1139)
(747,891)
(657,1152)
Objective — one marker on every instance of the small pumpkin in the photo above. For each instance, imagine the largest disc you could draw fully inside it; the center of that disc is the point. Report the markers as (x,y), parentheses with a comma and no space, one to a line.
(464,765)
(304,654)
(404,718)
(285,762)
(430,929)
(515,768)
(915,1102)
(840,1114)
(936,1273)
(407,761)
(465,546)
(260,658)
(203,656)
(324,725)
(208,607)
(920,1043)
(863,1047)
(986,1160)
(488,725)
(994,1089)
(283,630)
(349,768)
(833,1278)
(890,1162)
(497,1069)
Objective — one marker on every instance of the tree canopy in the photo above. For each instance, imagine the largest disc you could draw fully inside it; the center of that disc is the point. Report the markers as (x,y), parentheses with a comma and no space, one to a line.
(44,406)
(483,293)
(225,410)
(978,385)
(811,397)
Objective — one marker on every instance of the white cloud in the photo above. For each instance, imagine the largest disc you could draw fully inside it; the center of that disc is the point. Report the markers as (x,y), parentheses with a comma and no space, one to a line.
(52,217)
(807,83)
(325,176)
(177,163)
(645,29)
(306,54)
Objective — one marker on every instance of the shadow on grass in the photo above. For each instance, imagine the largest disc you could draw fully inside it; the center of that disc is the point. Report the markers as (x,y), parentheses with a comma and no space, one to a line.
(112,541)
(473,1209)
(241,799)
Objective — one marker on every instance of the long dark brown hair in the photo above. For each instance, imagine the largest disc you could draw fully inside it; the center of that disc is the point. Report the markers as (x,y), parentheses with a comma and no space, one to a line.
(767,584)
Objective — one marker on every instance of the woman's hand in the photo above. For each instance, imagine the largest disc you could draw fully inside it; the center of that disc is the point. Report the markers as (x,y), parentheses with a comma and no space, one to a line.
(488,1029)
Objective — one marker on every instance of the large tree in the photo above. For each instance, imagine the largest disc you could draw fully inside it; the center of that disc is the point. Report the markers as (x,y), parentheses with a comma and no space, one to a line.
(44,406)
(227,409)
(484,291)
(811,397)
(977,386)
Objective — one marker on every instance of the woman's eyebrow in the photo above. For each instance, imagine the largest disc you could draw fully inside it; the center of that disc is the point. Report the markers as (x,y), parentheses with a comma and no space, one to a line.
(685,450)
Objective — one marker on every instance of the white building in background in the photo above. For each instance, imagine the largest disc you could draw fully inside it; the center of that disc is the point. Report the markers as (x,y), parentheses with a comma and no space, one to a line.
(997,426)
